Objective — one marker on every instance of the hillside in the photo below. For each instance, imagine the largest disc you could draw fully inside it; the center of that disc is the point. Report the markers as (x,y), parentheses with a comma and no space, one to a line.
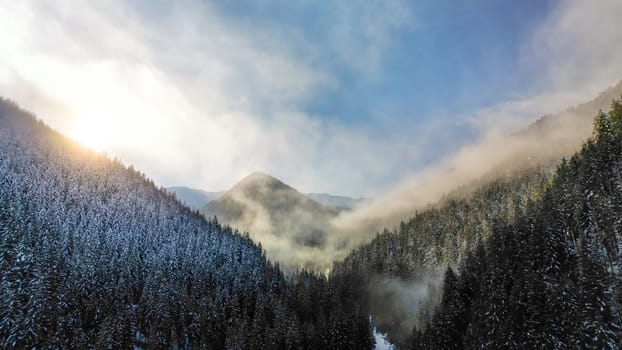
(337,202)
(551,278)
(94,255)
(275,215)
(403,267)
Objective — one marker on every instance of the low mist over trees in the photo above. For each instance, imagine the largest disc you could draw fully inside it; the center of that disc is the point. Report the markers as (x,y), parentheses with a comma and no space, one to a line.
(404,269)
(531,261)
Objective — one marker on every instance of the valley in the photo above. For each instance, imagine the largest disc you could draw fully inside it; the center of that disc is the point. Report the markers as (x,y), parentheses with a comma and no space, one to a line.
(269,175)
(106,231)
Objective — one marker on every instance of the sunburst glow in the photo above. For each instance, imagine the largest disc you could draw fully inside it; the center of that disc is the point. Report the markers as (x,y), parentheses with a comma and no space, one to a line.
(94,132)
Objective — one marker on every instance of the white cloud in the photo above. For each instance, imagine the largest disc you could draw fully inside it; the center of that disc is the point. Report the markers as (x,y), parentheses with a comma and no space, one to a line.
(577,46)
(192,97)
(363,30)
(189,97)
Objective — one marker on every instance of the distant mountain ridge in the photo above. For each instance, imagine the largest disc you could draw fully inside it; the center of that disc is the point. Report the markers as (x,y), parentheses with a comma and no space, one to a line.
(197,198)
(339,202)
(275,214)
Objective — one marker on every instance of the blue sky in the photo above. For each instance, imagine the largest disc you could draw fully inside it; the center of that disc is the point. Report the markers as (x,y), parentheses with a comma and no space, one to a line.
(348,97)
(439,57)
(433,58)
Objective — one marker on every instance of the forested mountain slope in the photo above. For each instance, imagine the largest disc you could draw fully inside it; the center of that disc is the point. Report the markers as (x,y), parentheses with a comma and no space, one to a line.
(552,278)
(407,260)
(93,255)
(446,231)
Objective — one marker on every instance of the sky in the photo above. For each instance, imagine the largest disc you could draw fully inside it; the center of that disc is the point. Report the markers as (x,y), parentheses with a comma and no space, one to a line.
(345,97)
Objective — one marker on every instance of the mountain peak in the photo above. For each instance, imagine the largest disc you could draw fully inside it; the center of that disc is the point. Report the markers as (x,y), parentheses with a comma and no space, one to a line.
(273,213)
(257,180)
(259,176)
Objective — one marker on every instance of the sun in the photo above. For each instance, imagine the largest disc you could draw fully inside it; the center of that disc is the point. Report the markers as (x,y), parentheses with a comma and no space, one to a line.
(94,131)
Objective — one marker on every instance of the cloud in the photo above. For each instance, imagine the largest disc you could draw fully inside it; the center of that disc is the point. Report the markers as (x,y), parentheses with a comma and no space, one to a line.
(362,31)
(576,46)
(193,97)
(573,55)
